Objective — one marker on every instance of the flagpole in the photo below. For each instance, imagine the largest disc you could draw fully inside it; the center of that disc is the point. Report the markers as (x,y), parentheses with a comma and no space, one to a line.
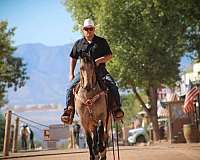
(198,114)
(195,111)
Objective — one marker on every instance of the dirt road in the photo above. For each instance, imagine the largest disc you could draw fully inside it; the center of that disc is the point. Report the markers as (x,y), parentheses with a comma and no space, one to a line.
(152,152)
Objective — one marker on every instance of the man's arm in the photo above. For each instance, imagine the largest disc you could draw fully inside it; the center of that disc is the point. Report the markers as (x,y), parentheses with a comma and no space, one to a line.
(103,59)
(72,68)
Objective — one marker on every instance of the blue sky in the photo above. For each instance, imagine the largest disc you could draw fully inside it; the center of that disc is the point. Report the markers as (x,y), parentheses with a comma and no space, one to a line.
(39,21)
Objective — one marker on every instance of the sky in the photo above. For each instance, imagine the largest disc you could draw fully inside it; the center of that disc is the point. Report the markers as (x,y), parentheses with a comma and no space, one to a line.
(39,21)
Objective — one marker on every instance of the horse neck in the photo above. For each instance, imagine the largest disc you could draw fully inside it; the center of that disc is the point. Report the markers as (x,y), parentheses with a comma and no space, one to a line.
(88,94)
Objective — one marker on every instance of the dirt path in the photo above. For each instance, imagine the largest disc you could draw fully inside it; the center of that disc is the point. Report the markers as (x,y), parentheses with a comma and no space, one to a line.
(153,152)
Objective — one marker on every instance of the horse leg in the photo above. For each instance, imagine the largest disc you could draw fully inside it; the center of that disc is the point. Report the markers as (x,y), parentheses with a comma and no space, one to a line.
(101,140)
(95,144)
(22,143)
(89,142)
(26,145)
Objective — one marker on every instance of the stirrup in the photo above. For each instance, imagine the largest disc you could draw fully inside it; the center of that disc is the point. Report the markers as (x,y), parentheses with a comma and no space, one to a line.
(68,115)
(66,120)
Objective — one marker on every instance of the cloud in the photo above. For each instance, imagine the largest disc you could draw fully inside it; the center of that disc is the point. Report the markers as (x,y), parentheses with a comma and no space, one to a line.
(31,108)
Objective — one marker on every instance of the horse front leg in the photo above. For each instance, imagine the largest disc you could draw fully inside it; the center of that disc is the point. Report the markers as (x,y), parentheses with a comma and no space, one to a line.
(90,144)
(101,140)
(95,144)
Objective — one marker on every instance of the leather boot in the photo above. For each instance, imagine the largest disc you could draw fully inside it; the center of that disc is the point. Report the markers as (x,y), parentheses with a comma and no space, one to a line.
(68,115)
(116,110)
(69,112)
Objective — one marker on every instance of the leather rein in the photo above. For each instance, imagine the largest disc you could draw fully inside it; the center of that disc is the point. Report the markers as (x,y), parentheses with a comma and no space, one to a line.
(90,101)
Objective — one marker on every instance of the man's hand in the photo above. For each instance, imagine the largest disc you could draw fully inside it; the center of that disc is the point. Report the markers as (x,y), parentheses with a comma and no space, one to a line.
(103,59)
(96,62)
(71,77)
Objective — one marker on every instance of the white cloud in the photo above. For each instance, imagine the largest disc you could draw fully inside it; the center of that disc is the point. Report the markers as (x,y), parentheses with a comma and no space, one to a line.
(31,108)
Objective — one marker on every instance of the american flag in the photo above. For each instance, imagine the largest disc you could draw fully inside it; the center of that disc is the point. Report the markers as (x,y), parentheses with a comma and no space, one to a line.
(188,104)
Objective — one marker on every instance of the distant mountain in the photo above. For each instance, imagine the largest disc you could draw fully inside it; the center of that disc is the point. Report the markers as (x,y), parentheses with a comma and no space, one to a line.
(48,69)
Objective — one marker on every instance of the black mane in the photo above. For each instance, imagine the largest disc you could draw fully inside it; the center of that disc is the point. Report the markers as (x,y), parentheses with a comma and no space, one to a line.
(87,58)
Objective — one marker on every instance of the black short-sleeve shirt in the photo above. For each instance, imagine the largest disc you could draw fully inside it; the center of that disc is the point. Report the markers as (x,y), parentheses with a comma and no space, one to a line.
(98,48)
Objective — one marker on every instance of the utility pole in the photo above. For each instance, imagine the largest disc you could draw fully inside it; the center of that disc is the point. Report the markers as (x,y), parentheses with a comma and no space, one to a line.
(15,138)
(7,134)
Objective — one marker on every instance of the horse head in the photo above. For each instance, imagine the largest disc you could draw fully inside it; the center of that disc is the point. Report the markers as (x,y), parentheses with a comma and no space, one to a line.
(87,71)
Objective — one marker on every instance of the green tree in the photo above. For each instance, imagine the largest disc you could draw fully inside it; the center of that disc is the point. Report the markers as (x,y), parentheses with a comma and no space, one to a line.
(148,38)
(131,106)
(12,69)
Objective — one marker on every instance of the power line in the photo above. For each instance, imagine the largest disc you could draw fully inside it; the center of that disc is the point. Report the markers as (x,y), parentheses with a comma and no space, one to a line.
(30,120)
(31,125)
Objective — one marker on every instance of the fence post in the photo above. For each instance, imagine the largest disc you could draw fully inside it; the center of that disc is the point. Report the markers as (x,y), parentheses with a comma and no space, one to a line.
(7,134)
(73,139)
(15,138)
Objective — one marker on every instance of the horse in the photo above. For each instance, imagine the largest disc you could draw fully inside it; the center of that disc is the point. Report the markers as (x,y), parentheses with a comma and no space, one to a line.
(91,106)
(24,132)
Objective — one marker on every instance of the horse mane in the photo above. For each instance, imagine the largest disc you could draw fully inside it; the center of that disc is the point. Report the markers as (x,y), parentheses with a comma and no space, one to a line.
(87,58)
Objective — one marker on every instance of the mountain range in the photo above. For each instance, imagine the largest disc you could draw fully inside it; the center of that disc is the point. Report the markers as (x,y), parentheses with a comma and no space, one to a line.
(48,69)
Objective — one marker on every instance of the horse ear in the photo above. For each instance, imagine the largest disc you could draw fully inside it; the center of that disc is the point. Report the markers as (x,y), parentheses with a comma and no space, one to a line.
(92,50)
(83,54)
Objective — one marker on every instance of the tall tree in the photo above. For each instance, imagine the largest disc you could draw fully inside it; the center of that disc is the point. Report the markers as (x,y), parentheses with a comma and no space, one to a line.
(12,69)
(148,38)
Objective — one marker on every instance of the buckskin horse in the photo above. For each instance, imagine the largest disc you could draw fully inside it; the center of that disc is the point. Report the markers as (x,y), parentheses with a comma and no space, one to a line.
(91,106)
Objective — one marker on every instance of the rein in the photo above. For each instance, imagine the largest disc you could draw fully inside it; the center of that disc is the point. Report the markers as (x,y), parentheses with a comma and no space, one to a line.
(117,138)
(89,103)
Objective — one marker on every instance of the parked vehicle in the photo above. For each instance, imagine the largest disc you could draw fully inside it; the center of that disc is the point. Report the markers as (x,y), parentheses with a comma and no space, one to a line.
(136,136)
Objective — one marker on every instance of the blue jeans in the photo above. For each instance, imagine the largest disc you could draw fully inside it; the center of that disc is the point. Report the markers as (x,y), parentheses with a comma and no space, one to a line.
(69,94)
(112,86)
(110,83)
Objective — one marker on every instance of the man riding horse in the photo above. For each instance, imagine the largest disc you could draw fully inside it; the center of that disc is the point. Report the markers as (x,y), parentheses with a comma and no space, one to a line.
(101,52)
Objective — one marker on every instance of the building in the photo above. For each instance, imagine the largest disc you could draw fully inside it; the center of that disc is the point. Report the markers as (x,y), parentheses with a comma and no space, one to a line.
(193,75)
(54,134)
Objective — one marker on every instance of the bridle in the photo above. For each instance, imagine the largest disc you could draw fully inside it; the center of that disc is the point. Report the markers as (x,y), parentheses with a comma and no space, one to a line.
(89,102)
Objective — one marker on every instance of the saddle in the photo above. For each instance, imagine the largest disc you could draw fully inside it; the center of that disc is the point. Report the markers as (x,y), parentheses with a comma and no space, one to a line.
(68,114)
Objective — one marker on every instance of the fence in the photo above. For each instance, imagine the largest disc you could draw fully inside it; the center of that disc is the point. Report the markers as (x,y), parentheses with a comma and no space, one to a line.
(12,130)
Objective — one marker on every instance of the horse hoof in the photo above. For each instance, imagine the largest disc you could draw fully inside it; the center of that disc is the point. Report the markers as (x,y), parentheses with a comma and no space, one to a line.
(96,157)
(102,158)
(92,158)
(103,155)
